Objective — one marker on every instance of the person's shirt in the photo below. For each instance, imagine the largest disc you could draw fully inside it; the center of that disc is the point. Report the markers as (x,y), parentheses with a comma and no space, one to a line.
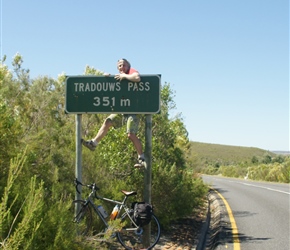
(131,71)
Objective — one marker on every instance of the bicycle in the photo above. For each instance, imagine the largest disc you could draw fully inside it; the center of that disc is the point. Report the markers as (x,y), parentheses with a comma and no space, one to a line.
(131,235)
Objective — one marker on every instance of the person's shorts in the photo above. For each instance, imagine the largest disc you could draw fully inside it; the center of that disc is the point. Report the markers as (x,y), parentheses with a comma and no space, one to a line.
(119,120)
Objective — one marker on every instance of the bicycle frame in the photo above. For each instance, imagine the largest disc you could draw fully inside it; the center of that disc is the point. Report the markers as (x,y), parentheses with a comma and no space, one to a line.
(93,195)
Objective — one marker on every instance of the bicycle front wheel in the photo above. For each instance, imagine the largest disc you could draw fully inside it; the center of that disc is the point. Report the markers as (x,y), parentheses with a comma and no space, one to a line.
(142,238)
(82,217)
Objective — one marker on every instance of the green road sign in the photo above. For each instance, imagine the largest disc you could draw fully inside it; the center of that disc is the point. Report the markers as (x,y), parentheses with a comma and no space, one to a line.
(101,94)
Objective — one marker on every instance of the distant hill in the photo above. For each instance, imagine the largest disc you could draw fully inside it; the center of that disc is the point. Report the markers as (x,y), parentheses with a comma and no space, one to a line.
(281,152)
(224,154)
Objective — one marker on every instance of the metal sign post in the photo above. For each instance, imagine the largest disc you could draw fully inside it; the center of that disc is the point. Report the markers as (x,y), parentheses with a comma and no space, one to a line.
(148,156)
(78,169)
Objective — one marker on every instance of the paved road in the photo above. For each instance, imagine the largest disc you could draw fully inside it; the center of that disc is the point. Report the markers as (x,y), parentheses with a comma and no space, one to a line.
(260,210)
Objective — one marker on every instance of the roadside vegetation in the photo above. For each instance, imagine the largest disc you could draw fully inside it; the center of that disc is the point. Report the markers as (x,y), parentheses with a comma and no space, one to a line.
(37,160)
(240,162)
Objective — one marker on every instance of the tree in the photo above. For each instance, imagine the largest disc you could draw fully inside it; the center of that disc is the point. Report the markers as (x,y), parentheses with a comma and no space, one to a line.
(255,159)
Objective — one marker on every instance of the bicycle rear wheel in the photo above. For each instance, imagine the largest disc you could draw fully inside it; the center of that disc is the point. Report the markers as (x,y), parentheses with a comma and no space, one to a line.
(82,217)
(143,238)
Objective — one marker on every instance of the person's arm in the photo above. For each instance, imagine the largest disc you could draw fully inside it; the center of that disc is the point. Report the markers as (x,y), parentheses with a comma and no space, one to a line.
(134,77)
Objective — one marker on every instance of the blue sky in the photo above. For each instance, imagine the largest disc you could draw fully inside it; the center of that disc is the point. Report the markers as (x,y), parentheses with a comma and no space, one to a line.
(226,60)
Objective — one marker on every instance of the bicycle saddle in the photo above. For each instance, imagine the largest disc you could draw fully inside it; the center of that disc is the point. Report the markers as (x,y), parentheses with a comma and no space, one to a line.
(128,193)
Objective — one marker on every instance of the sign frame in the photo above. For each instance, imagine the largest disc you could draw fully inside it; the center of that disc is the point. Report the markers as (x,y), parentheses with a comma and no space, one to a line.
(91,94)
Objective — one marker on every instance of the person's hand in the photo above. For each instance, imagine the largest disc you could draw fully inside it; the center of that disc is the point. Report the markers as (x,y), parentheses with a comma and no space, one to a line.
(120,76)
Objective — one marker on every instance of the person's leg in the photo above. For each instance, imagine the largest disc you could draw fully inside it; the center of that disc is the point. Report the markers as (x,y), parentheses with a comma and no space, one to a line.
(103,130)
(132,128)
(111,120)
(136,142)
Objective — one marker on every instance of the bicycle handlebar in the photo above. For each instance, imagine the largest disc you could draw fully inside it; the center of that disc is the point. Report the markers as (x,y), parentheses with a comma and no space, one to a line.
(93,186)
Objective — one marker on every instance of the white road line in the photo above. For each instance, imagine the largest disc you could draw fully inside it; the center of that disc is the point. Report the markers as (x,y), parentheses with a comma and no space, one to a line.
(271,189)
